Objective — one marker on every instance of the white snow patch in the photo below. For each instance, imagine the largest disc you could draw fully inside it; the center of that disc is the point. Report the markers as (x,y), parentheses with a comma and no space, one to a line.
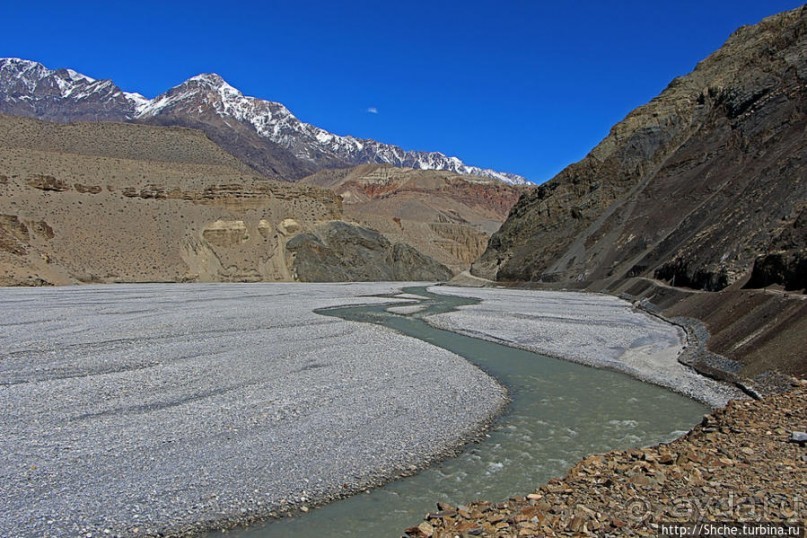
(76,76)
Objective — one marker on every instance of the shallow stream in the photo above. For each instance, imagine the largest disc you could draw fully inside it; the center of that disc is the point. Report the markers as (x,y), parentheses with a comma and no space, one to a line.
(560,412)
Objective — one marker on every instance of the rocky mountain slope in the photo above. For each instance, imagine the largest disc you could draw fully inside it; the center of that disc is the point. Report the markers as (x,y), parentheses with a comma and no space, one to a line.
(444,215)
(264,134)
(690,203)
(339,251)
(113,202)
(702,187)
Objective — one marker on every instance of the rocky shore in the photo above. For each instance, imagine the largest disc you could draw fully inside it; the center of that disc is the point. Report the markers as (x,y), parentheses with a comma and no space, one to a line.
(740,464)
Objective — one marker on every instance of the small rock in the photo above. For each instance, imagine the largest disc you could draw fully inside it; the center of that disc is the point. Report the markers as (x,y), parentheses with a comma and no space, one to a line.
(576,524)
(426,529)
(798,437)
(666,458)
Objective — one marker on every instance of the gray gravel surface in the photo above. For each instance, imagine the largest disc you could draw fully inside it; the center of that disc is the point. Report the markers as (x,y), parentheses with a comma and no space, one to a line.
(594,329)
(135,409)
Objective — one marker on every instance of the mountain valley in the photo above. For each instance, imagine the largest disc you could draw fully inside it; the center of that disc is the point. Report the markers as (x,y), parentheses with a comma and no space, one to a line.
(206,329)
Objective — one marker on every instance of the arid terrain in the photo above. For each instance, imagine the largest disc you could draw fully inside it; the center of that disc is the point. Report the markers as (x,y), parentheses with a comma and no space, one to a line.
(691,214)
(693,207)
(691,188)
(446,216)
(694,203)
(111,202)
(143,204)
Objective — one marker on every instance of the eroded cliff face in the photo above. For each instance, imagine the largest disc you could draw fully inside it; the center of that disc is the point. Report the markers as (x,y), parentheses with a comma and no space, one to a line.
(72,210)
(235,232)
(692,188)
(131,203)
(446,216)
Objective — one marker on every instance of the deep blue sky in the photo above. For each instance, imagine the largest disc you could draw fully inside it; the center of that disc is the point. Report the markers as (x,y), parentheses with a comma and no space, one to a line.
(524,86)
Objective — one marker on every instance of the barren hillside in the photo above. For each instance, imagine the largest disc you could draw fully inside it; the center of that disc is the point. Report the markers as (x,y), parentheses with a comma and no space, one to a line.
(444,215)
(121,203)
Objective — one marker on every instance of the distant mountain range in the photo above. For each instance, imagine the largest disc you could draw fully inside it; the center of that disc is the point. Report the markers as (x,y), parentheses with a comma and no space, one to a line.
(263,134)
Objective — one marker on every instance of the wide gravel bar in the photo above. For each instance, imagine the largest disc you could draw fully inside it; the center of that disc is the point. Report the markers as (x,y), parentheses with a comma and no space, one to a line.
(136,409)
(590,328)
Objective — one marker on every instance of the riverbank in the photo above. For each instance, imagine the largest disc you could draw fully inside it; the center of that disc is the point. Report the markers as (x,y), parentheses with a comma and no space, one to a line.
(134,410)
(594,329)
(754,336)
(737,465)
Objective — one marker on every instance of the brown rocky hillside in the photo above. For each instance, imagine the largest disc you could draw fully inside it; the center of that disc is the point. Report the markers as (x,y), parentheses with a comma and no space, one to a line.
(112,202)
(447,216)
(692,203)
(691,188)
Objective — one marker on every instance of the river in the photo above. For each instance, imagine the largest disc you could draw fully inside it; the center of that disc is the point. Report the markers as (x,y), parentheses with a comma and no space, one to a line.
(559,413)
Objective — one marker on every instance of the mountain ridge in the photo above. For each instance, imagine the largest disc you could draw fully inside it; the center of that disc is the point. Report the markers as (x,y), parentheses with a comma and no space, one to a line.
(207,101)
(694,206)
(689,188)
(444,215)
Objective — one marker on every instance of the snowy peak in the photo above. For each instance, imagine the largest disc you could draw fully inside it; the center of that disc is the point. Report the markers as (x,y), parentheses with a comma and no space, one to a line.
(76,76)
(203,92)
(207,82)
(24,70)
(19,78)
(208,102)
(31,89)
(212,80)
(275,122)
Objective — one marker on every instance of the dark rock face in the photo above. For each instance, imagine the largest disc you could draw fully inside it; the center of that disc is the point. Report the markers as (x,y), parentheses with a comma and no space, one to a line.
(786,268)
(691,188)
(340,252)
(262,155)
(786,264)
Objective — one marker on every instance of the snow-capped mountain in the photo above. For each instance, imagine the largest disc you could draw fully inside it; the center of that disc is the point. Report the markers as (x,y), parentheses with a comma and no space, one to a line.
(262,133)
(30,89)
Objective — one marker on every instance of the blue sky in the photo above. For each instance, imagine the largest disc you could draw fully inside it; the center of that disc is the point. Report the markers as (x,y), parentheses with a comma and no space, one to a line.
(523,86)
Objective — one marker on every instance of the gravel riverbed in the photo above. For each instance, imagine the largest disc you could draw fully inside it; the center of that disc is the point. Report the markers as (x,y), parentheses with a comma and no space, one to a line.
(594,329)
(132,410)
